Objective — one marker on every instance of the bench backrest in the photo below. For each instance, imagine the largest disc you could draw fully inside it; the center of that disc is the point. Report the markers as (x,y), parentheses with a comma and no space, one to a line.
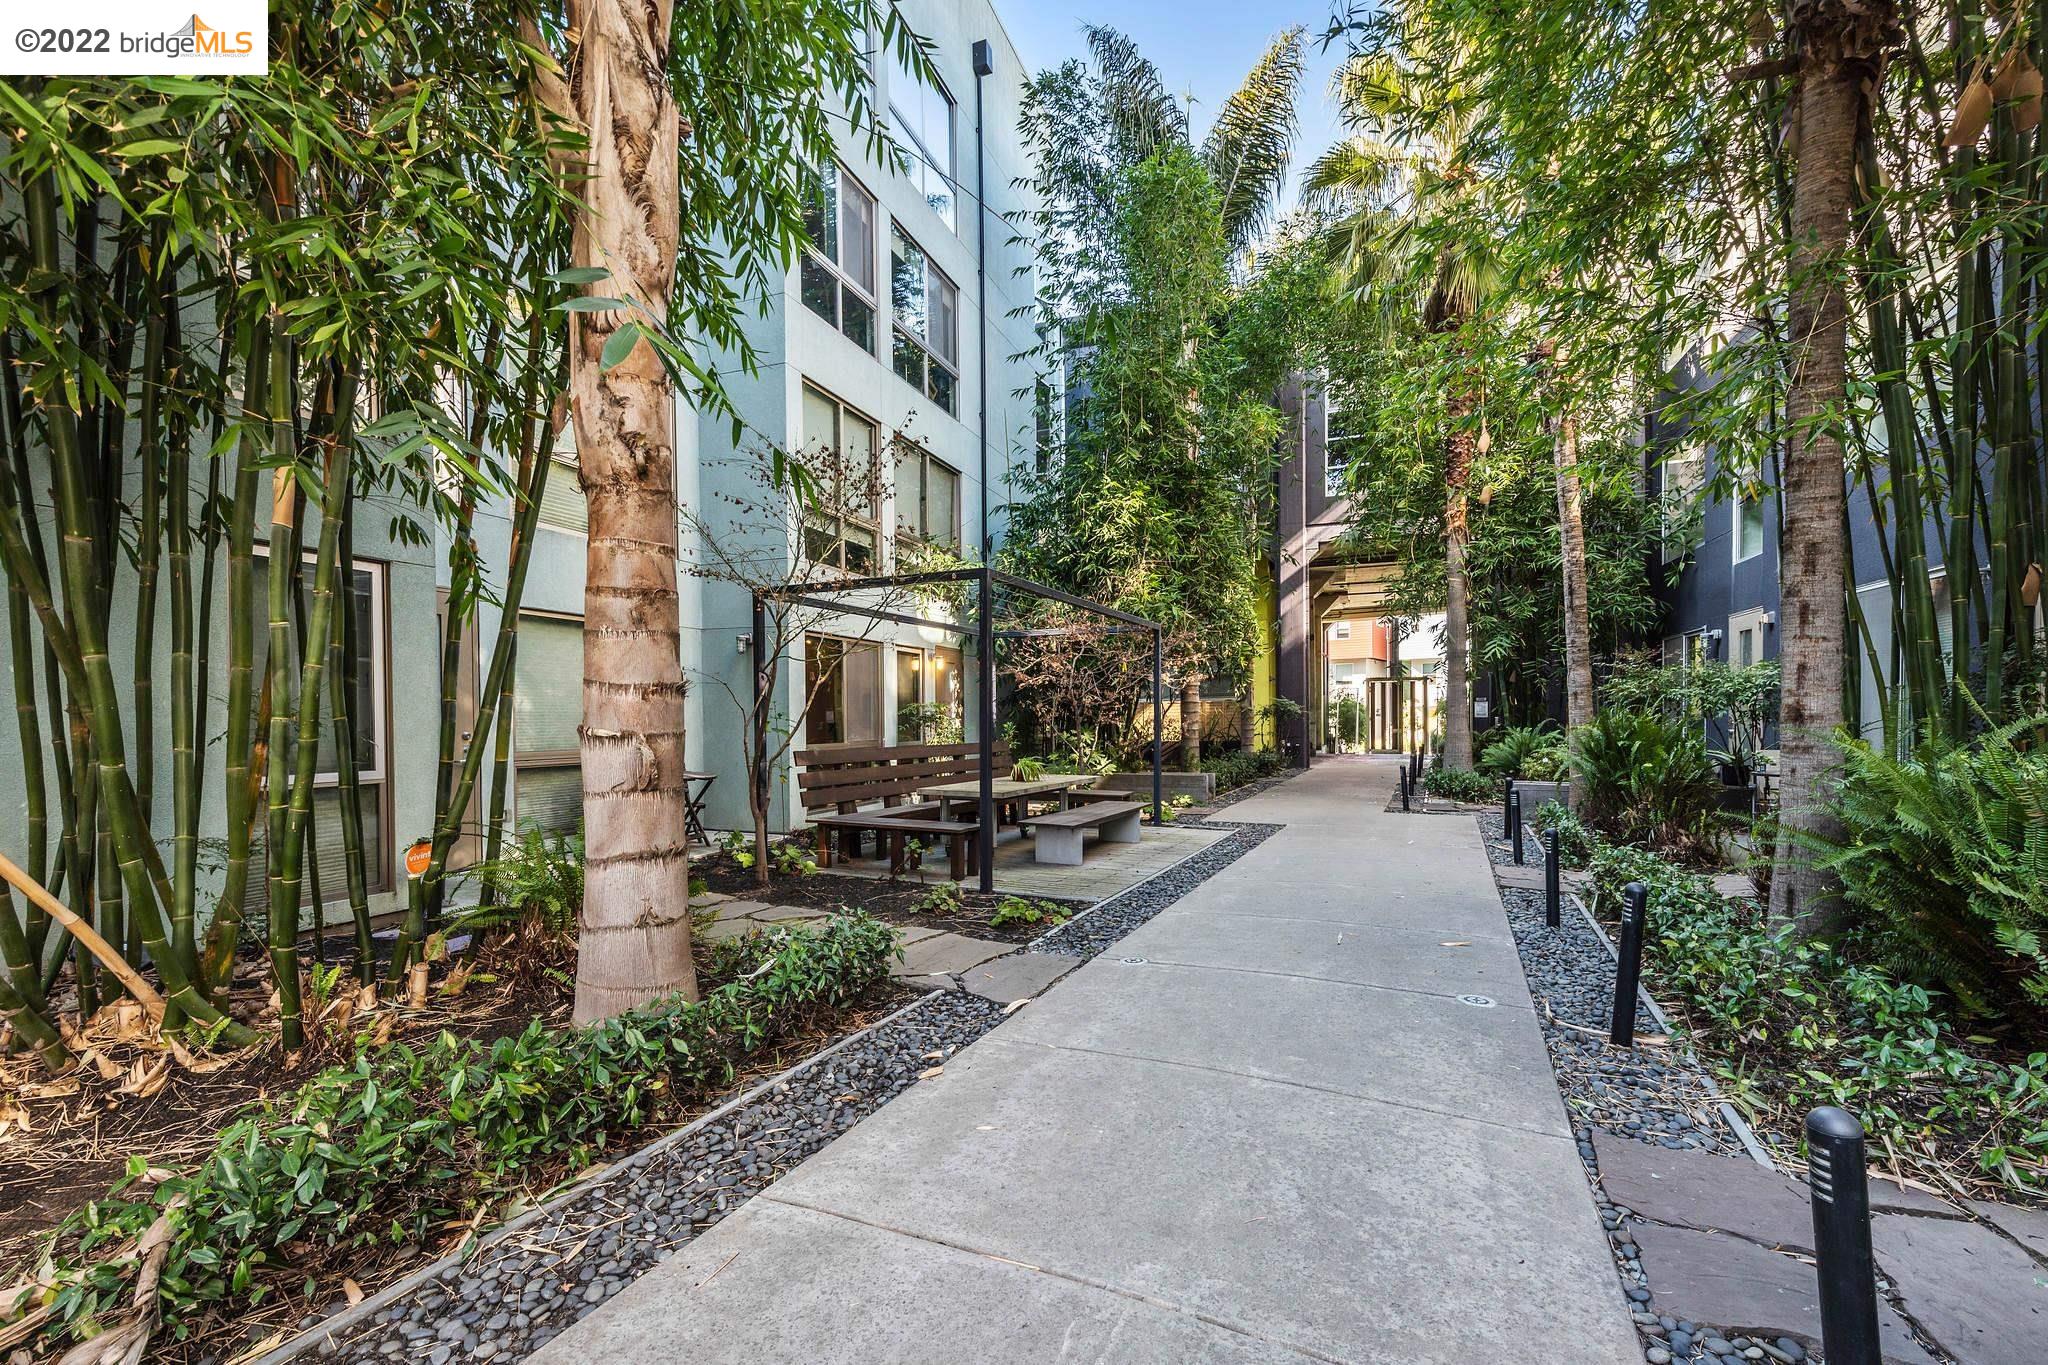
(844,778)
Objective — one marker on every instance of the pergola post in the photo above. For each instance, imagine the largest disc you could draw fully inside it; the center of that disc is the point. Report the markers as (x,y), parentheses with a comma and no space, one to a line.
(985,639)
(1158,724)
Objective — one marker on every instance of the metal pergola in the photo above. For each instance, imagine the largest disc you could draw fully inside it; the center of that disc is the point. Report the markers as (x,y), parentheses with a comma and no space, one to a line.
(826,595)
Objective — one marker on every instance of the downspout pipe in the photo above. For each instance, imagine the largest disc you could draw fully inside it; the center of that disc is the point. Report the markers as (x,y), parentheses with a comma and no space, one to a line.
(984,65)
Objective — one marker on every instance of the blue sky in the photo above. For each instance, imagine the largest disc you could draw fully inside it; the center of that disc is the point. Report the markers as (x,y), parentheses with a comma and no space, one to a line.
(1200,46)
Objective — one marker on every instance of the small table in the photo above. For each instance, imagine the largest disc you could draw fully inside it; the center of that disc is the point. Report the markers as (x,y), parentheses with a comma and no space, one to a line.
(1006,790)
(693,806)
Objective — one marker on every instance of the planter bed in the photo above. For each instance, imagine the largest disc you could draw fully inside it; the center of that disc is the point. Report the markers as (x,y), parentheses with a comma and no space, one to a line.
(893,900)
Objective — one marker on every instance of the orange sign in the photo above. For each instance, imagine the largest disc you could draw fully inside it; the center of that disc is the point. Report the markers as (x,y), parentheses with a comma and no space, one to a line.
(418,857)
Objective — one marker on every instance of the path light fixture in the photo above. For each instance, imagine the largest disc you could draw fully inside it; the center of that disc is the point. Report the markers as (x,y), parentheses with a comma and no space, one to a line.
(1404,790)
(1839,1185)
(1628,968)
(1553,908)
(1514,810)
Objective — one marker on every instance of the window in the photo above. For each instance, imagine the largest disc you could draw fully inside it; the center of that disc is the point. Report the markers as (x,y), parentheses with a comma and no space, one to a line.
(368,690)
(1749,525)
(1342,630)
(921,119)
(1746,638)
(928,707)
(547,714)
(1341,435)
(926,311)
(837,274)
(927,497)
(840,445)
(1046,413)
(1685,473)
(843,686)
(562,505)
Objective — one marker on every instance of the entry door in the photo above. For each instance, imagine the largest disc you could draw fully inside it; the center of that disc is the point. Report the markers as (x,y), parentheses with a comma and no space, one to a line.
(1398,713)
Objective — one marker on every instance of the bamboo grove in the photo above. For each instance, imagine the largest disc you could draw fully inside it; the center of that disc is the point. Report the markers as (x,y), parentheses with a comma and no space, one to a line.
(1829,213)
(245,324)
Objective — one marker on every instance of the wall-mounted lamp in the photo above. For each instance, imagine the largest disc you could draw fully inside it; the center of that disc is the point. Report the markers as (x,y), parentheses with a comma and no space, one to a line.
(743,643)
(1770,620)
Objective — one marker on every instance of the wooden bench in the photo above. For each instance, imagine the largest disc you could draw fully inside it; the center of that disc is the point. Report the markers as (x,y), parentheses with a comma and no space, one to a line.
(898,827)
(1056,836)
(837,784)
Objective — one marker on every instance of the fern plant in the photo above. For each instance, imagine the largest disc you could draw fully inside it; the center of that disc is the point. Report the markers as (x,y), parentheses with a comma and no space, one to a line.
(1513,750)
(1947,853)
(540,878)
(1646,780)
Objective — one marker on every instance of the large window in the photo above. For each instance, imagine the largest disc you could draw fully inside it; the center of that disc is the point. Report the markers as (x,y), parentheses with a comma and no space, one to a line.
(562,505)
(926,309)
(1749,525)
(841,447)
(921,120)
(927,497)
(1685,473)
(843,685)
(1342,432)
(838,270)
(368,688)
(1746,638)
(547,711)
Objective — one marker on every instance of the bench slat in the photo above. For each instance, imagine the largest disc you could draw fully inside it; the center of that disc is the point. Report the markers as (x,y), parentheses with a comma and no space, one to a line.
(1083,817)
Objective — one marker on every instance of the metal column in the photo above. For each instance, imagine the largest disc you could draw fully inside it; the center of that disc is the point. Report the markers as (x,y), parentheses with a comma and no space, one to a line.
(985,705)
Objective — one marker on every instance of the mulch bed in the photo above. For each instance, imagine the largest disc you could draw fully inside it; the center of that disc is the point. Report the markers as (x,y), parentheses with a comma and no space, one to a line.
(899,901)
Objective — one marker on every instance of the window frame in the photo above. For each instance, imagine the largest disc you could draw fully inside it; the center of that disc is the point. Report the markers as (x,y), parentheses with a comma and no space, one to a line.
(842,279)
(568,461)
(835,525)
(1735,523)
(1334,469)
(921,534)
(848,647)
(1674,520)
(524,759)
(1749,623)
(933,278)
(913,142)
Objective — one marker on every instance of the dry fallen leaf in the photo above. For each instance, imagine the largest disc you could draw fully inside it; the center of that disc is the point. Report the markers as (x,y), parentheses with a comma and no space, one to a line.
(384,1026)
(351,1291)
(930,1072)
(1457,943)
(1016,1005)
(416,985)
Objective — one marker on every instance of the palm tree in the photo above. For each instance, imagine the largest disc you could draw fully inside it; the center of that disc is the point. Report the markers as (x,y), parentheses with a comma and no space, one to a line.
(1409,226)
(1841,49)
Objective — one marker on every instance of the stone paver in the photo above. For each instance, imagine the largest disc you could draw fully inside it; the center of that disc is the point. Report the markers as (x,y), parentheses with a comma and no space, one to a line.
(1738,1286)
(2029,1227)
(1706,1192)
(1019,976)
(948,955)
(1980,1297)
(1280,1137)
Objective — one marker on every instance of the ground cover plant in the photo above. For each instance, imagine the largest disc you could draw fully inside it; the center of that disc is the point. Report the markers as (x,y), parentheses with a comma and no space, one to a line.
(1460,784)
(1645,780)
(408,1140)
(1788,1021)
(1236,767)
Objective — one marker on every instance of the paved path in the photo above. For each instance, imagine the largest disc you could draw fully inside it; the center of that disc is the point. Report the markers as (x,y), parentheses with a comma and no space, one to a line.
(1262,1128)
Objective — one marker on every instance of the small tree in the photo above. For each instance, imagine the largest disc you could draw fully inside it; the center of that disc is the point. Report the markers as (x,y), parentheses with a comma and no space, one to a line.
(807,520)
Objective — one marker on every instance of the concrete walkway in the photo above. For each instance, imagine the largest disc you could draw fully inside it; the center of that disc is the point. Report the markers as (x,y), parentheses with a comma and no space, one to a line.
(1262,1128)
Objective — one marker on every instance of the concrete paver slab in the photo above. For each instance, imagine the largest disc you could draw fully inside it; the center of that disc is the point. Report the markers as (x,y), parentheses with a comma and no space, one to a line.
(1016,977)
(845,1293)
(948,955)
(1705,1191)
(1982,1298)
(1403,1047)
(1737,1286)
(2027,1226)
(1414,959)
(1337,1225)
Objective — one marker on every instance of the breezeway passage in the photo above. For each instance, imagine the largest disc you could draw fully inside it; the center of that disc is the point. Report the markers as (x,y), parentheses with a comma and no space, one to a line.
(1262,1128)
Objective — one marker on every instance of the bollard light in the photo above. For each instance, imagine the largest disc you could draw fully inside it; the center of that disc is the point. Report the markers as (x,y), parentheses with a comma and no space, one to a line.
(1515,820)
(1404,790)
(1840,1188)
(1553,909)
(1629,968)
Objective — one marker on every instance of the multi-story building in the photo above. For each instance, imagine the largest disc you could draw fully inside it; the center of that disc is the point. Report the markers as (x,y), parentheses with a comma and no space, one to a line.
(897,338)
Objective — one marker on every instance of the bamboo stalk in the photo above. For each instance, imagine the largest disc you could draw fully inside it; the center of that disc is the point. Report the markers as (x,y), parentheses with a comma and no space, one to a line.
(88,938)
(283,926)
(345,652)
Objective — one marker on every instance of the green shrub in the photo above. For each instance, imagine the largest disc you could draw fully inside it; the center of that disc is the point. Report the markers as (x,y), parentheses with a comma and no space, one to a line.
(1575,841)
(541,875)
(944,899)
(1460,784)
(1791,1022)
(1512,748)
(1645,780)
(1947,853)
(408,1137)
(1240,766)
(1017,910)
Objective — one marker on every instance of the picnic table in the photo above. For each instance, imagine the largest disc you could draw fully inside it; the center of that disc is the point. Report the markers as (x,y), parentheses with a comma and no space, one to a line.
(1007,791)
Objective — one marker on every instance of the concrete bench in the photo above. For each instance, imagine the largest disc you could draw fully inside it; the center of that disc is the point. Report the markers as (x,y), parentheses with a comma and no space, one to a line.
(1056,836)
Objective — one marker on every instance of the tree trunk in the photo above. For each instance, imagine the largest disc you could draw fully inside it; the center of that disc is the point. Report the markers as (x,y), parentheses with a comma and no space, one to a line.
(1578,629)
(1459,452)
(1841,43)
(1191,725)
(634,939)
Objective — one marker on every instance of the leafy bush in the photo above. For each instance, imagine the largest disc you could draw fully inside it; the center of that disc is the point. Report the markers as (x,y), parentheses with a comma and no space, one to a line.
(1512,749)
(1575,842)
(408,1137)
(944,899)
(1460,784)
(1240,766)
(540,876)
(1646,780)
(1793,1022)
(1028,769)
(793,858)
(1947,852)
(1017,910)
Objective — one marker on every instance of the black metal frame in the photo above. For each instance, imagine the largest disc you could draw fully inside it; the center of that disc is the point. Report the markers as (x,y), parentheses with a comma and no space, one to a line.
(825,595)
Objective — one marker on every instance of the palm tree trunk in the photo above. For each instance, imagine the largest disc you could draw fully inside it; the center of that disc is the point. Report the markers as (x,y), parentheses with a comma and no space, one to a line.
(1191,725)
(634,939)
(1841,46)
(1571,535)
(1459,451)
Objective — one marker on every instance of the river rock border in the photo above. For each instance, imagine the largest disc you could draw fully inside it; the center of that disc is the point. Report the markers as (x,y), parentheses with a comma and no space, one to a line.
(1089,932)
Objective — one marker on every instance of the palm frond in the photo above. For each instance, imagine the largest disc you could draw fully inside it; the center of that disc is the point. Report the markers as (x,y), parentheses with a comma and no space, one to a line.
(1142,115)
(1248,149)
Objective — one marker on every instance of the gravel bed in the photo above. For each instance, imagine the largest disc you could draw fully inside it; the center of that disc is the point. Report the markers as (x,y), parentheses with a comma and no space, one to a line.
(526,1288)
(1093,930)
